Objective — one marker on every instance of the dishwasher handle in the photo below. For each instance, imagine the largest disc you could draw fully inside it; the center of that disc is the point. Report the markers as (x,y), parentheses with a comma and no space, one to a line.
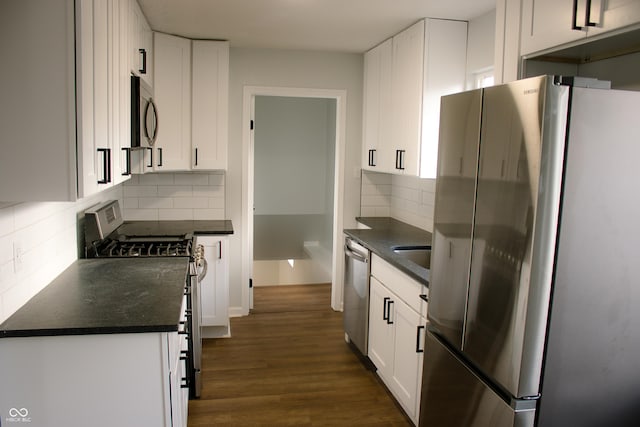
(355,255)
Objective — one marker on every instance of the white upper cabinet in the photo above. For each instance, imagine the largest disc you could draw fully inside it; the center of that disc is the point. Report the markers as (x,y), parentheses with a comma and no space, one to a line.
(141,44)
(550,23)
(445,61)
(103,96)
(404,80)
(406,98)
(210,96)
(191,87)
(377,108)
(63,107)
(172,89)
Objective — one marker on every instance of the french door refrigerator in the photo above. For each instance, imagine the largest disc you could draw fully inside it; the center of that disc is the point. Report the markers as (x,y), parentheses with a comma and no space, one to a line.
(534,297)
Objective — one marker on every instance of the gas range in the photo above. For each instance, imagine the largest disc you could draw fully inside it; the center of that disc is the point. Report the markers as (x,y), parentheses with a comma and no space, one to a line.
(145,246)
(107,236)
(104,238)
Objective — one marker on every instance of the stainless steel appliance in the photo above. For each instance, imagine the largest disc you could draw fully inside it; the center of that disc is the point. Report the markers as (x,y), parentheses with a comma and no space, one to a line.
(534,290)
(356,294)
(144,115)
(104,238)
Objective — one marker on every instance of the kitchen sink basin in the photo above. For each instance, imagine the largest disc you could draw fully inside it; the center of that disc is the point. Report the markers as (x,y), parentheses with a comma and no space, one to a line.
(420,255)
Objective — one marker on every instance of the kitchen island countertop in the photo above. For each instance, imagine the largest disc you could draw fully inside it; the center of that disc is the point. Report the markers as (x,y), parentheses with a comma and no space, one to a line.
(386,233)
(105,296)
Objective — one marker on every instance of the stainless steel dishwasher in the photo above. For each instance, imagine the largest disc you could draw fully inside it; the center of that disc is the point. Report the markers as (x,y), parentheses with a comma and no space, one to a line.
(356,293)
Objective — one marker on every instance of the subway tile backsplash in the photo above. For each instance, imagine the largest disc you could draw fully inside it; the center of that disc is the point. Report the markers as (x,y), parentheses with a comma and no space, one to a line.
(405,198)
(37,242)
(46,234)
(175,196)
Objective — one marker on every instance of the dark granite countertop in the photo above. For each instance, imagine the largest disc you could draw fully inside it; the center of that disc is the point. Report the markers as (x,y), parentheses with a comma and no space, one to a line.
(105,296)
(386,233)
(174,228)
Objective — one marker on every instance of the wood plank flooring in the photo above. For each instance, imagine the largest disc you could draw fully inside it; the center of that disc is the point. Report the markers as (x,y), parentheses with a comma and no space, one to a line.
(287,364)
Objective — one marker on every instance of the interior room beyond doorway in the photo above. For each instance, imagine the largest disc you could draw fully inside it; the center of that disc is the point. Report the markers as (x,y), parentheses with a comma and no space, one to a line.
(294,173)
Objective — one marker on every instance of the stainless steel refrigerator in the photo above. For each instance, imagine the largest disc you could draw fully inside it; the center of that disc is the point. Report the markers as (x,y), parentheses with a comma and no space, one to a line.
(534,297)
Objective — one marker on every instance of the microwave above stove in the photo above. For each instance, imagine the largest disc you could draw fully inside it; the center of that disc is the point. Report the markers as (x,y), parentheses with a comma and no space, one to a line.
(144,115)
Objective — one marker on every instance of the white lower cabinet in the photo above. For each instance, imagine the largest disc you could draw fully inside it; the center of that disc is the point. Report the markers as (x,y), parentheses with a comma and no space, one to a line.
(99,380)
(93,380)
(397,321)
(214,287)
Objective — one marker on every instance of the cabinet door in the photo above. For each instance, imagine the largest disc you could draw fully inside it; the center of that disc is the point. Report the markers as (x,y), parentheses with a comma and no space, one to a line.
(613,14)
(141,45)
(38,99)
(120,91)
(548,23)
(408,355)
(172,88)
(377,151)
(214,288)
(406,85)
(95,150)
(381,330)
(210,104)
(445,59)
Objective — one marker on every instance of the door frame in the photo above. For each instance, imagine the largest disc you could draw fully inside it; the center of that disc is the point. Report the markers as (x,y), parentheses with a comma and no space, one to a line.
(248,114)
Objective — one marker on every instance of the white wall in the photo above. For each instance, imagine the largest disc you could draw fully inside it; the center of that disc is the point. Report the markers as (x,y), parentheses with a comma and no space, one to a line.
(290,155)
(47,234)
(297,69)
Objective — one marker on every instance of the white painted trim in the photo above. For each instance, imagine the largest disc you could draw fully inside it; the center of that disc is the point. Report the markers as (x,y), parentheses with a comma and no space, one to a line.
(246,226)
(236,312)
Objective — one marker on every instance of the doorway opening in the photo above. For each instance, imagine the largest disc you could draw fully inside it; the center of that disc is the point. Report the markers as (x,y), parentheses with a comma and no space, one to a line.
(292,188)
(294,170)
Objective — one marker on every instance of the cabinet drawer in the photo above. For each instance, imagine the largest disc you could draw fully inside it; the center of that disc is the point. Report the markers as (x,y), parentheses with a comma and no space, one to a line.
(398,282)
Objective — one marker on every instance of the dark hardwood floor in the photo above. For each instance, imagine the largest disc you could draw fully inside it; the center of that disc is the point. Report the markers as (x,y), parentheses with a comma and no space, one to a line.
(287,364)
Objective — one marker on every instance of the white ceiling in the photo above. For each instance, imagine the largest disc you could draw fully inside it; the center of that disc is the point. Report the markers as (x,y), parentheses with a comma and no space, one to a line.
(329,25)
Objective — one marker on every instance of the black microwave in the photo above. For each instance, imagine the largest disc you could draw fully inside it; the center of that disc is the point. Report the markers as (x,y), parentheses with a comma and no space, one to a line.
(144,114)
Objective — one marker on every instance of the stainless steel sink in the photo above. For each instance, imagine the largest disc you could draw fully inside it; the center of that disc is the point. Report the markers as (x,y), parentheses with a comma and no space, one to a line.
(420,255)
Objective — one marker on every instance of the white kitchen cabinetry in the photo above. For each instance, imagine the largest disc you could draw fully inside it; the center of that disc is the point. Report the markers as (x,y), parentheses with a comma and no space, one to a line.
(214,288)
(191,86)
(377,152)
(397,322)
(141,44)
(210,97)
(550,23)
(96,380)
(63,107)
(103,96)
(406,98)
(172,89)
(507,40)
(445,60)
(427,61)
